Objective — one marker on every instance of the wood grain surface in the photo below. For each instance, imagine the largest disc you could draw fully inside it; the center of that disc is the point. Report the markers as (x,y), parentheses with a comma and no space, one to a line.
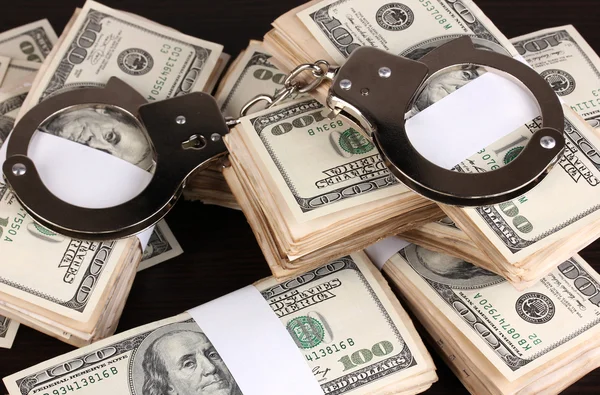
(221,254)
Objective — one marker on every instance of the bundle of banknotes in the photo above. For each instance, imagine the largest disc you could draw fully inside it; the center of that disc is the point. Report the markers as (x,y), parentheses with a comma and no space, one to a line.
(378,352)
(315,192)
(302,213)
(520,240)
(78,295)
(496,339)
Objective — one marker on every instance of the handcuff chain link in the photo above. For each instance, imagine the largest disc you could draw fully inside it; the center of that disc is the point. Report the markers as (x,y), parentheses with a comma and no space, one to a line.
(321,70)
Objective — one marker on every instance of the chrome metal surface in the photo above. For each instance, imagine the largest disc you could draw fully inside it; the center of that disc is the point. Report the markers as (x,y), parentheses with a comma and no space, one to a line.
(181,148)
(19,169)
(346,84)
(187,134)
(385,72)
(383,117)
(548,142)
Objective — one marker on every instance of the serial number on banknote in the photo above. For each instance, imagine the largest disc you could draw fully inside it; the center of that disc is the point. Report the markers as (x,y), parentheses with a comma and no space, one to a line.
(82,382)
(488,308)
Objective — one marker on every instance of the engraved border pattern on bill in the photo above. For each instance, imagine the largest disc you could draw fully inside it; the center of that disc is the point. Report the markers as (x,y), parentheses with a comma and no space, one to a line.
(490,215)
(512,361)
(306,204)
(258,59)
(58,80)
(39,37)
(347,263)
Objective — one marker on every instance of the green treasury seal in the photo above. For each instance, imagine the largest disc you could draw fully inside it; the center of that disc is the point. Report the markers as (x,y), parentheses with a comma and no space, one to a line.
(353,142)
(307,332)
(512,154)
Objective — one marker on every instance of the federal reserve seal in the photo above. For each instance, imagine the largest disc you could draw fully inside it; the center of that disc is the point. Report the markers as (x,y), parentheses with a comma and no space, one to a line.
(354,142)
(395,17)
(535,308)
(561,81)
(135,61)
(307,332)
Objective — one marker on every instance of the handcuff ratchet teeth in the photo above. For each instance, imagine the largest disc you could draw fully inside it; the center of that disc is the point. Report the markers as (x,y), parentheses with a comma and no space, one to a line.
(187,134)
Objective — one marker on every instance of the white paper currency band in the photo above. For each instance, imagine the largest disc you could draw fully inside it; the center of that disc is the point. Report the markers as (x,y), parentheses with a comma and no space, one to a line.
(430,136)
(382,251)
(462,123)
(85,176)
(255,346)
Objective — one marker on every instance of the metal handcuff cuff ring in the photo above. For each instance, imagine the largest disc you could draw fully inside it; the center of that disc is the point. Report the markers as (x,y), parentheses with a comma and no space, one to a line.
(187,134)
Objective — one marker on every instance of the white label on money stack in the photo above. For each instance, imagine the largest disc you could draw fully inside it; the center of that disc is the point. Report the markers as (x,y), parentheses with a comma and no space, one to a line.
(250,338)
(83,176)
(457,126)
(380,252)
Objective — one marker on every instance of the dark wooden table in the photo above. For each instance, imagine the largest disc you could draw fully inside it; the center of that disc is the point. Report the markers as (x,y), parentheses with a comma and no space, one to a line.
(221,254)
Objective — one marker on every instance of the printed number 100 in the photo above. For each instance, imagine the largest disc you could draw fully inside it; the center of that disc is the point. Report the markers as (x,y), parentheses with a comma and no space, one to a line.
(364,355)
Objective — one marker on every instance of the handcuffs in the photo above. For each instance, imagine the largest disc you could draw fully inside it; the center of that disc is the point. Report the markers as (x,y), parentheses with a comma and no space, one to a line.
(187,133)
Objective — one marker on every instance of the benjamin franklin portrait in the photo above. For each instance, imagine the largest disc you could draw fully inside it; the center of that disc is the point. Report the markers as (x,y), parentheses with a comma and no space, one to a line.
(448,270)
(180,360)
(104,129)
(448,266)
(443,84)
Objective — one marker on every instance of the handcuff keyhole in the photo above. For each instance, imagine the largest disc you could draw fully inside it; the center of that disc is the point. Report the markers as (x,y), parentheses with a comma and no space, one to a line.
(196,142)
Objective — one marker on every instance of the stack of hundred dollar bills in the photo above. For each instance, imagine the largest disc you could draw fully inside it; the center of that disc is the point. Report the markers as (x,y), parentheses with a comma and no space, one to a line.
(312,188)
(302,213)
(522,240)
(79,292)
(376,352)
(249,75)
(496,339)
(315,191)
